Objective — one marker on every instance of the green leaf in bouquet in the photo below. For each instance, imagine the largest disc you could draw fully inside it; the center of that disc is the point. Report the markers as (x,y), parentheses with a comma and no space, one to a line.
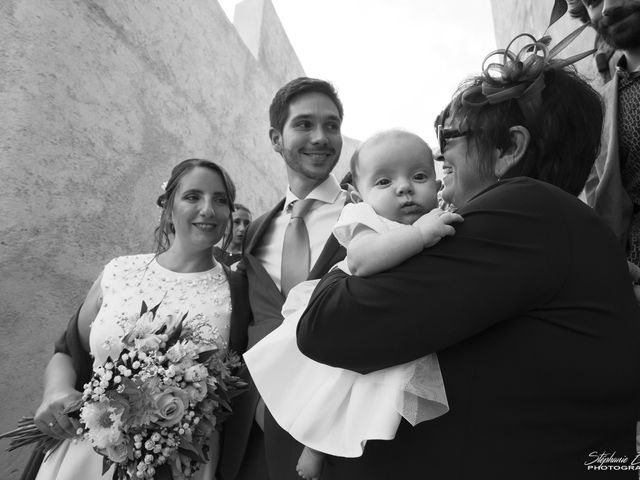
(129,388)
(205,427)
(106,464)
(143,308)
(127,339)
(119,474)
(140,403)
(175,334)
(204,357)
(193,451)
(240,388)
(225,403)
(154,310)
(73,409)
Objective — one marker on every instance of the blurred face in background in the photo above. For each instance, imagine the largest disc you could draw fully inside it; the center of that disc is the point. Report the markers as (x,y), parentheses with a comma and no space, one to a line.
(240,223)
(618,21)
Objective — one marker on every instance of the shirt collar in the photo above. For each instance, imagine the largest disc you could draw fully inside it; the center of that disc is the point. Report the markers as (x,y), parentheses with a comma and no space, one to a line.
(327,192)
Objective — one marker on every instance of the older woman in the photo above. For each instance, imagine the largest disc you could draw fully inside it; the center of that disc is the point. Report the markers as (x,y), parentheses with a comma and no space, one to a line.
(529,306)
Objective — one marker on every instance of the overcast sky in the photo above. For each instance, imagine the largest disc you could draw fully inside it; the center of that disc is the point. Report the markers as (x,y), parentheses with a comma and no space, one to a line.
(395,63)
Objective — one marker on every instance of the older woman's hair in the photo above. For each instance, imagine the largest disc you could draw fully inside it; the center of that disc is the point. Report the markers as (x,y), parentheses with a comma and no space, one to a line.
(565,129)
(165,229)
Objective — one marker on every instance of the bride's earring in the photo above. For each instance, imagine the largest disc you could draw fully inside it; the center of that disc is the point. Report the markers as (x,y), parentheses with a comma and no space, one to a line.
(172,229)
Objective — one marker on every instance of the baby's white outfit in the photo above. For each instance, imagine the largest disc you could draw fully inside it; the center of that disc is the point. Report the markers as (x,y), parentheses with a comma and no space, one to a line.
(330,409)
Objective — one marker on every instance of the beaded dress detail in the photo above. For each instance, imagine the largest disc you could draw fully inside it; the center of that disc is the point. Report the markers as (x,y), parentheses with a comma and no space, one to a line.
(127,281)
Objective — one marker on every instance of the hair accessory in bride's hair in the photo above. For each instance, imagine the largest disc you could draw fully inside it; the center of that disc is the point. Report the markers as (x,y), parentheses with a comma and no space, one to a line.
(519,74)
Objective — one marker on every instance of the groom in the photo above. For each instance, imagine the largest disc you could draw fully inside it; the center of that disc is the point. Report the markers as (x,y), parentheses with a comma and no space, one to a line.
(305,117)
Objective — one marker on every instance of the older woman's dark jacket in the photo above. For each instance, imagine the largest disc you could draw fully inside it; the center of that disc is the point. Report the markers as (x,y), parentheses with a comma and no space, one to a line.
(531,312)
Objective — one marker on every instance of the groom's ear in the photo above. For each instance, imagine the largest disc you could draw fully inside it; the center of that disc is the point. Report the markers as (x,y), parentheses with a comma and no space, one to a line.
(276,139)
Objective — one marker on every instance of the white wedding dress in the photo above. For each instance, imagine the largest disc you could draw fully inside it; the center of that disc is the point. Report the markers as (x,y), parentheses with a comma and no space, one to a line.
(126,282)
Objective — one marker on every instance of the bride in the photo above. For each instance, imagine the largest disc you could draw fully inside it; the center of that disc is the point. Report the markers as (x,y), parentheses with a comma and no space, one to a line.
(182,276)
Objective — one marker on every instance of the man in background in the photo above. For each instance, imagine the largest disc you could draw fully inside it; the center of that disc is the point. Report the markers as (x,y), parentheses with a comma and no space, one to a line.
(614,188)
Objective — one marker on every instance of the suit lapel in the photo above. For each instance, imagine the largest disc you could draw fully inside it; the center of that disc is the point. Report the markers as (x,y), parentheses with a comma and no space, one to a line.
(253,240)
(332,253)
(262,225)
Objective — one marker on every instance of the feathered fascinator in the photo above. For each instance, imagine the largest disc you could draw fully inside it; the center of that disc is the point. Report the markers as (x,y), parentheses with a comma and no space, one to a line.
(519,74)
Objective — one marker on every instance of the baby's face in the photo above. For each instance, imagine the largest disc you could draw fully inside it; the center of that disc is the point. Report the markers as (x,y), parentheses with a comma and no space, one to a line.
(396,177)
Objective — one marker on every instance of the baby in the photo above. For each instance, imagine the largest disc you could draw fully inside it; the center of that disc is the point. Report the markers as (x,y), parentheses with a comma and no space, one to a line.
(334,411)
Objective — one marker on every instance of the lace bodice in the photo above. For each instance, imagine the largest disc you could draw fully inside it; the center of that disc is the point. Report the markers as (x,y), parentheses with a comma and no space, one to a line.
(127,281)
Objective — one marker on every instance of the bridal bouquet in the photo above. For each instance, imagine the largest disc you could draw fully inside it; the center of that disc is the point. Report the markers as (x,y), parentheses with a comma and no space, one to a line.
(158,402)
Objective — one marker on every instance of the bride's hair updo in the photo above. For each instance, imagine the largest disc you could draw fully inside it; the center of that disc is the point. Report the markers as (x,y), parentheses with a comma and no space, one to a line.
(165,230)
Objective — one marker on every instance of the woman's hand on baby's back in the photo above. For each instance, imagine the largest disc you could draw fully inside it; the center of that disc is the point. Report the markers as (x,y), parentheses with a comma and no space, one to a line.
(435,225)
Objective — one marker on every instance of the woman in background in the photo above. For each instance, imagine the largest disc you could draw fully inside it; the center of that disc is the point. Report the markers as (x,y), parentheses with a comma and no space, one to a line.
(231,254)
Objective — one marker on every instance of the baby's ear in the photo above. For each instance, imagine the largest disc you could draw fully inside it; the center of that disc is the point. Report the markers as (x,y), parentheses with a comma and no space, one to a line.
(353,194)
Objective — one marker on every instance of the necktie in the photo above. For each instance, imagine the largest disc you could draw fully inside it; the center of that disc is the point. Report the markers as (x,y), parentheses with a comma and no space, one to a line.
(295,249)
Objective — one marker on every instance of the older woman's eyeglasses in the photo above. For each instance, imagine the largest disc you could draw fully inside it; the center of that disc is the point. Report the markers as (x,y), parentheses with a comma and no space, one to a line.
(445,134)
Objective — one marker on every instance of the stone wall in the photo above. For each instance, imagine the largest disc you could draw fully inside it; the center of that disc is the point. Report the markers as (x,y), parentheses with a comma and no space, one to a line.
(100,98)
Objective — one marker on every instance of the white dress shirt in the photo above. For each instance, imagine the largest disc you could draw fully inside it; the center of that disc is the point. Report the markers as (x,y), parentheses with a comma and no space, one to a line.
(319,221)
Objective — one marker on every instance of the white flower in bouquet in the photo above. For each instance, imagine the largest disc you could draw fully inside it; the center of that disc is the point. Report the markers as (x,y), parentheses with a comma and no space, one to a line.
(103,421)
(183,351)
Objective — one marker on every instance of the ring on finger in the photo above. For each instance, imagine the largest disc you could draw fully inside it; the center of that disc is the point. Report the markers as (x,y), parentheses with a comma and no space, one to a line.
(51,424)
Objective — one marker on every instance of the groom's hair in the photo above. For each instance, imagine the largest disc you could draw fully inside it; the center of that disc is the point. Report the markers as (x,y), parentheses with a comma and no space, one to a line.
(279,109)
(165,230)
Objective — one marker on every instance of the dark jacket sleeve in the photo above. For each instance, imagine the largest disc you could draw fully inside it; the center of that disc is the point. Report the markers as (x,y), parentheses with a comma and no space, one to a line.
(240,310)
(503,260)
(69,344)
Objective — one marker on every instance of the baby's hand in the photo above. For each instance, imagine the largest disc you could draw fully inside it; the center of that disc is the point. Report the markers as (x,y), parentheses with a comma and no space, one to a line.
(435,225)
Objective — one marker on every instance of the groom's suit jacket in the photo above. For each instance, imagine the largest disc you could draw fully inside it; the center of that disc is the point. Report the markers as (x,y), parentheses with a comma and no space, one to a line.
(266,301)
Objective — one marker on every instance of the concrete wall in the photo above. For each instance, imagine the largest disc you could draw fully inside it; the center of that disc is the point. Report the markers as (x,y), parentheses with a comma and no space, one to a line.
(512,17)
(100,98)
